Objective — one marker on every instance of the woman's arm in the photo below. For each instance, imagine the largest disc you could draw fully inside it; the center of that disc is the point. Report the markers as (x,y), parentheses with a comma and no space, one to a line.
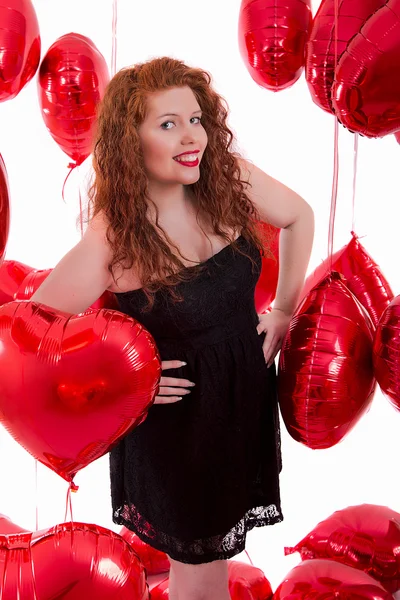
(81,276)
(283,208)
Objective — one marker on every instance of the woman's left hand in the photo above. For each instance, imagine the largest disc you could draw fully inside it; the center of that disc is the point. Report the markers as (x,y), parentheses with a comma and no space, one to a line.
(275,324)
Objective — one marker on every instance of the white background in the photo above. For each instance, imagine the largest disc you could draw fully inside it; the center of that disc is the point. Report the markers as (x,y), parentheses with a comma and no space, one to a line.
(290,138)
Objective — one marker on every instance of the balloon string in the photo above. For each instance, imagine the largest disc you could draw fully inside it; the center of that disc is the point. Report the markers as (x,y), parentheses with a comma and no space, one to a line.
(114,38)
(355,163)
(68,505)
(248,556)
(71,166)
(335,177)
(36,497)
(334,193)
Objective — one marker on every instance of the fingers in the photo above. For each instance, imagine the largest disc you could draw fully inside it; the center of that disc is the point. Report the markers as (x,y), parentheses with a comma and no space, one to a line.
(175,382)
(172,364)
(167,399)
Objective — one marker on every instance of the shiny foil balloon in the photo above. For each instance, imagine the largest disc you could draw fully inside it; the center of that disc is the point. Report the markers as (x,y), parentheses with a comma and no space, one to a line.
(365,537)
(153,560)
(4,209)
(20,46)
(325,369)
(266,286)
(324,41)
(7,526)
(386,353)
(72,80)
(272,38)
(329,580)
(363,277)
(12,274)
(71,561)
(72,385)
(366,92)
(35,279)
(245,583)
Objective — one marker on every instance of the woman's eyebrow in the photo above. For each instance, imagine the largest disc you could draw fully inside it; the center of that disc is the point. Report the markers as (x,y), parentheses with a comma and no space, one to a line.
(175,115)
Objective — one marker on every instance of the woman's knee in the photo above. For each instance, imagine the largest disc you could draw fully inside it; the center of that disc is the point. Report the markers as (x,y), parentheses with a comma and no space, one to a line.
(201,582)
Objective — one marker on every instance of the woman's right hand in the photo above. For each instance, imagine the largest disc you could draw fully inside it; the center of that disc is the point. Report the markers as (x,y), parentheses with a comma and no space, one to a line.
(172,389)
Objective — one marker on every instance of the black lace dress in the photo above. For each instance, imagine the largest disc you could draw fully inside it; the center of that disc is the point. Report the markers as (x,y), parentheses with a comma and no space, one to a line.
(197,474)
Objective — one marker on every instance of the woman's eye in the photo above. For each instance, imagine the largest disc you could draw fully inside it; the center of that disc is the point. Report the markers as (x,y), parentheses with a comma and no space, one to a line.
(166,123)
(198,119)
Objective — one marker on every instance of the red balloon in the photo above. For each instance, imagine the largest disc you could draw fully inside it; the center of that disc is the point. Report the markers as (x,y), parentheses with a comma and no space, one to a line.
(20,46)
(245,583)
(366,91)
(272,38)
(71,561)
(386,353)
(363,277)
(268,280)
(4,209)
(72,385)
(7,526)
(325,378)
(154,561)
(324,42)
(35,279)
(329,580)
(12,274)
(72,80)
(397,136)
(365,537)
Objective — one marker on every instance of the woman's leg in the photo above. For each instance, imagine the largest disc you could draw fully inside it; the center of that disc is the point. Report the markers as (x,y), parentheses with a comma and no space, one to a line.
(208,581)
(172,587)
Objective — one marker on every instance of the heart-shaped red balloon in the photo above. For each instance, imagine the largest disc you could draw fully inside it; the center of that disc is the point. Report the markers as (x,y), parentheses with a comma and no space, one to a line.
(386,353)
(363,277)
(71,561)
(365,537)
(324,42)
(72,385)
(325,378)
(329,580)
(20,46)
(4,210)
(12,274)
(154,561)
(272,38)
(366,91)
(72,80)
(245,583)
(266,285)
(35,279)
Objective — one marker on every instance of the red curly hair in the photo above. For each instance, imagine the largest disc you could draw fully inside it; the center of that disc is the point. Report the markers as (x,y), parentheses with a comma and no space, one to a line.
(119,188)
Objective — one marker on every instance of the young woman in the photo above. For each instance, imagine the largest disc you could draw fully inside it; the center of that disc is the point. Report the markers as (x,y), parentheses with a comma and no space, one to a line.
(173,232)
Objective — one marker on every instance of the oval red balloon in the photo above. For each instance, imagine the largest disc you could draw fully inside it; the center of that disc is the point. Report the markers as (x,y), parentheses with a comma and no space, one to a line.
(365,537)
(7,526)
(328,342)
(20,46)
(366,93)
(324,43)
(72,385)
(386,353)
(4,210)
(272,38)
(71,561)
(153,560)
(362,276)
(72,80)
(327,579)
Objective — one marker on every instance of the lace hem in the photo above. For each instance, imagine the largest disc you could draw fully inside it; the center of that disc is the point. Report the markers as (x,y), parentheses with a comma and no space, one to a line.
(218,547)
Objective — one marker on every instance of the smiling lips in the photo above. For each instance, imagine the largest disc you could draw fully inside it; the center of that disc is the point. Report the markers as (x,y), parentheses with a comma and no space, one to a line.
(188,160)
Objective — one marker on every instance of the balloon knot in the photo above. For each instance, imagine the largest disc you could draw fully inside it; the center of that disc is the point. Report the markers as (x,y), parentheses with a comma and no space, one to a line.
(73,487)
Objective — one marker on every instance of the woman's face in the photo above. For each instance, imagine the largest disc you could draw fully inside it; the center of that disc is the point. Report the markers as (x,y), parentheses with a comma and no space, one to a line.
(172,127)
